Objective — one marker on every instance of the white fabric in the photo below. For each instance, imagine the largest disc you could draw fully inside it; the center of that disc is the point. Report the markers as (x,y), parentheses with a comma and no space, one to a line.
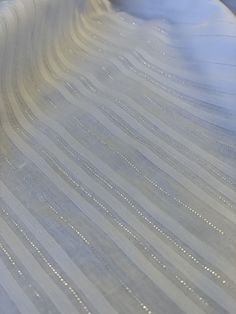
(117,157)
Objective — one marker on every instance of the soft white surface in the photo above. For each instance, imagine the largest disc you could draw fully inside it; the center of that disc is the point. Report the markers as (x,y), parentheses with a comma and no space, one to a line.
(117,157)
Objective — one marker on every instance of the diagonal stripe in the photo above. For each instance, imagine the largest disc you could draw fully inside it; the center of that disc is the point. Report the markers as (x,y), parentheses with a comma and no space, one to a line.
(22,302)
(35,270)
(54,249)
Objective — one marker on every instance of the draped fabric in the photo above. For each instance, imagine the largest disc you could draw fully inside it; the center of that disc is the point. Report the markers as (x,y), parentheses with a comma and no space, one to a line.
(117,157)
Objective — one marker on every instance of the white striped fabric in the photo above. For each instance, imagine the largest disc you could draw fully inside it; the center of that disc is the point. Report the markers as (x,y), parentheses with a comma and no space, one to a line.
(117,157)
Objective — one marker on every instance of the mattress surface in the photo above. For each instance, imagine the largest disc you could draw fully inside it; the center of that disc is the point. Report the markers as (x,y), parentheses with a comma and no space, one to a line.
(117,157)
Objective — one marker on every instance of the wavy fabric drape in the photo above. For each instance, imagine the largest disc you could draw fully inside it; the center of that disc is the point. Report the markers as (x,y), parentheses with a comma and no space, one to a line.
(117,157)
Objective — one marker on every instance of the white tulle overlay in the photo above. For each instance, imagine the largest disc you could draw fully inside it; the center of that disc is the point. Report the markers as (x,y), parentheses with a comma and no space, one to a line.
(117,157)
